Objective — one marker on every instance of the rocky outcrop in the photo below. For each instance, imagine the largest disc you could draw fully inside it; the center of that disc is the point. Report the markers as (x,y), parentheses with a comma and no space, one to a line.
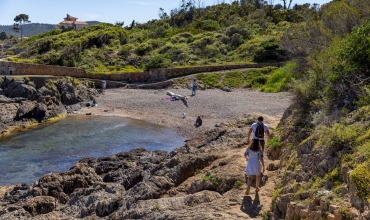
(21,102)
(314,181)
(139,184)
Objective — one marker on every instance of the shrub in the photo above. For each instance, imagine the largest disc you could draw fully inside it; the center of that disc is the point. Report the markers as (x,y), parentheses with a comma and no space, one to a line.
(338,136)
(280,78)
(236,40)
(159,61)
(361,178)
(274,142)
(209,25)
(237,184)
(211,177)
(234,79)
(209,80)
(255,78)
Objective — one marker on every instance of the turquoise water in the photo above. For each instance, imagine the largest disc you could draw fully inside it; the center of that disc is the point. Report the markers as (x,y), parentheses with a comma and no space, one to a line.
(55,148)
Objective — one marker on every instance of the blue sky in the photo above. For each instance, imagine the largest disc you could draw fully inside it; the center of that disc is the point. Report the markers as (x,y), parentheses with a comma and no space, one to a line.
(53,11)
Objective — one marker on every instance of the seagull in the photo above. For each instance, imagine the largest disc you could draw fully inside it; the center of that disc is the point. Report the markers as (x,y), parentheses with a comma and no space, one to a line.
(183,115)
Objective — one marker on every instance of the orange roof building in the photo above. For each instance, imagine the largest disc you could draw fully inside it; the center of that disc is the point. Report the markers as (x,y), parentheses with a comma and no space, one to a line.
(71,22)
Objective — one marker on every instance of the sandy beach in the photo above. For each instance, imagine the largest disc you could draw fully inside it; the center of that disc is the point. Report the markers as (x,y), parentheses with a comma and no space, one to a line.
(214,106)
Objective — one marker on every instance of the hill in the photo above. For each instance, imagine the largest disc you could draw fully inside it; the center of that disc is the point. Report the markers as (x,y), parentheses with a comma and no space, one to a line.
(33,28)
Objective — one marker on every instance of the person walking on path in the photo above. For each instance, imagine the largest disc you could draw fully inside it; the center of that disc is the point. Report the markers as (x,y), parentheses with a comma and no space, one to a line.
(194,88)
(254,158)
(259,130)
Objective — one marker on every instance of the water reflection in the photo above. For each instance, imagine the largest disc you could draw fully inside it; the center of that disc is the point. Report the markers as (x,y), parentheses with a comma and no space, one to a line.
(55,148)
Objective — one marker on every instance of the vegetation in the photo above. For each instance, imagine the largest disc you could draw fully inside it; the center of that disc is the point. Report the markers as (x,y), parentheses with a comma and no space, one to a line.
(20,20)
(238,184)
(212,177)
(242,32)
(330,81)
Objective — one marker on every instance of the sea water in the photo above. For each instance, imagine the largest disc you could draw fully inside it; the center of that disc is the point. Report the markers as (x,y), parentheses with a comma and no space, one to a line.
(57,147)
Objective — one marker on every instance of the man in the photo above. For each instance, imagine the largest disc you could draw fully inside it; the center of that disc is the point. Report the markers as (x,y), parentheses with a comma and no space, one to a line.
(198,122)
(194,88)
(259,131)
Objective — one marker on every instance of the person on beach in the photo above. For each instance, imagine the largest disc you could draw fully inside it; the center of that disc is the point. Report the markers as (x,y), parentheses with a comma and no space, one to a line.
(198,122)
(254,157)
(259,130)
(194,88)
(95,103)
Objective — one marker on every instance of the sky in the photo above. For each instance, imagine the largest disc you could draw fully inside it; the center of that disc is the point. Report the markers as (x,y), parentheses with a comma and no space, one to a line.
(110,11)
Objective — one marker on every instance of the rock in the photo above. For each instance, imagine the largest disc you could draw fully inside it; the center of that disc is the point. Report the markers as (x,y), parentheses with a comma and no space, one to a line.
(330,217)
(4,99)
(283,201)
(332,208)
(200,185)
(17,193)
(315,215)
(273,166)
(226,89)
(40,205)
(25,110)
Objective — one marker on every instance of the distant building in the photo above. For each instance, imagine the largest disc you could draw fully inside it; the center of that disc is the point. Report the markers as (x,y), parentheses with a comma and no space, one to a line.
(71,22)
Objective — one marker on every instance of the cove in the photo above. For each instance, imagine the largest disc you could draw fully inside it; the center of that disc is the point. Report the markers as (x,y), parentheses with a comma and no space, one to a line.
(24,158)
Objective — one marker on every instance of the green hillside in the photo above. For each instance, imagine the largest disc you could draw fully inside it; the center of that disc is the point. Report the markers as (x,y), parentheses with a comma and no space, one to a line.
(220,34)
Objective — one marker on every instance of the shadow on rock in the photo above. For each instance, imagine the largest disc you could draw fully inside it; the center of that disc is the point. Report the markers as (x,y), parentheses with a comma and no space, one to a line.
(251,207)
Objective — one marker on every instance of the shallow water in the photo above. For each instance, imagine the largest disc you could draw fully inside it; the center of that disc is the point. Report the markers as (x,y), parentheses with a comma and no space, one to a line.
(55,148)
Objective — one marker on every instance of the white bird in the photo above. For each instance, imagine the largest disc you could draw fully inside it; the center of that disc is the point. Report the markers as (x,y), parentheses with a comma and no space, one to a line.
(183,115)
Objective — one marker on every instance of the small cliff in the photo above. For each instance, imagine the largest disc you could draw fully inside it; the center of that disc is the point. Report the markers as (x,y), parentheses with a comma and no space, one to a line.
(22,103)
(324,172)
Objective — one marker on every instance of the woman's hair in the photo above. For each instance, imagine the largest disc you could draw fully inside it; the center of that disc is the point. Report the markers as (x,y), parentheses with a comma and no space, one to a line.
(255,146)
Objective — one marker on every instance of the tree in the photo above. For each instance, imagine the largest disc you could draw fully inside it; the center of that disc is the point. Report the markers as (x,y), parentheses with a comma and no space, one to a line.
(3,36)
(20,20)
(285,3)
(120,23)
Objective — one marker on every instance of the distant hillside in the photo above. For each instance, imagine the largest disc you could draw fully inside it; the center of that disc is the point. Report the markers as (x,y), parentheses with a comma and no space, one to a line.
(33,28)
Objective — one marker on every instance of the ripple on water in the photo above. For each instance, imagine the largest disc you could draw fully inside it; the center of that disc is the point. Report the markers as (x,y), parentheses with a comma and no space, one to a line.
(55,148)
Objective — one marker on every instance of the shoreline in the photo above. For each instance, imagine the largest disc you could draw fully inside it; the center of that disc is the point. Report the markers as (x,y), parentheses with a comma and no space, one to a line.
(210,151)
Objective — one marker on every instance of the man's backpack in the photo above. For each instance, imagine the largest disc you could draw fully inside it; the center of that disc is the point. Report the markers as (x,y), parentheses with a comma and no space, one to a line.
(260,131)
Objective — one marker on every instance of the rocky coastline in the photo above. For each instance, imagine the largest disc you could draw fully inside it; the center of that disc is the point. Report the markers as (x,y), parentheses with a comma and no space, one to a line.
(23,104)
(201,180)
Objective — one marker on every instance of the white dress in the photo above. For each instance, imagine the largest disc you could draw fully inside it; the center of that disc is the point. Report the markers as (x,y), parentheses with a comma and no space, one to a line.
(254,166)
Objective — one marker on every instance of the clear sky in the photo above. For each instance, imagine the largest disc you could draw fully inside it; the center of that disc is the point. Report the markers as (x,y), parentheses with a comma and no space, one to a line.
(53,11)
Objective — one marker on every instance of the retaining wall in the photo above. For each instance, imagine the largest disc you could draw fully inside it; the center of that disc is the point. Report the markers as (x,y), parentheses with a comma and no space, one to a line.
(153,75)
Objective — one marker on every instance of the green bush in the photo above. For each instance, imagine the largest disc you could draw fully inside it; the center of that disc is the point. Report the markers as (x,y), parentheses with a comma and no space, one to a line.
(280,79)
(237,184)
(234,79)
(274,142)
(360,176)
(209,25)
(209,80)
(211,177)
(159,61)
(339,136)
(255,78)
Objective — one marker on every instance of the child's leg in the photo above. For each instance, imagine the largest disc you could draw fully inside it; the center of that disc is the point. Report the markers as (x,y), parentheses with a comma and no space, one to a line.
(250,179)
(257,182)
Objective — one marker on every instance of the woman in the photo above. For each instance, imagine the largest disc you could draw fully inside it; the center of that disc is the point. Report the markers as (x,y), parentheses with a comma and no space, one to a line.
(254,158)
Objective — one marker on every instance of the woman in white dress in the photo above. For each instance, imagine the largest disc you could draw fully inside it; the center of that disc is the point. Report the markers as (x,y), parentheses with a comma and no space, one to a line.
(254,158)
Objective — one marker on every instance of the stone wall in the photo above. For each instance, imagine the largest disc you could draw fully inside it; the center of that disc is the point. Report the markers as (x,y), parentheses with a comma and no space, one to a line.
(153,75)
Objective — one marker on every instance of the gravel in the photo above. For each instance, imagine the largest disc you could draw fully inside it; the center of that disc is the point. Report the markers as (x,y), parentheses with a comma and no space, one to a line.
(212,105)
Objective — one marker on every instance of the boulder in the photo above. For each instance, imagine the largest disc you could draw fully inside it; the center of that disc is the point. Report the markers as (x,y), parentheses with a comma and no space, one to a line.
(40,205)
